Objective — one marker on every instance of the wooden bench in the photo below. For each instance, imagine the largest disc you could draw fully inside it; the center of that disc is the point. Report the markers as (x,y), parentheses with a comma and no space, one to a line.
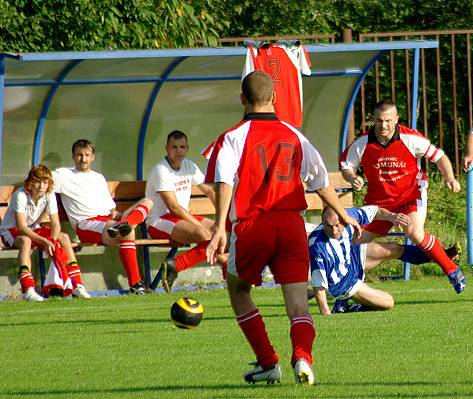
(126,193)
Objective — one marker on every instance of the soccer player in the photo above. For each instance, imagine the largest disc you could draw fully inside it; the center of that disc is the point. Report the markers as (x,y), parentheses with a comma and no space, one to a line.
(390,155)
(91,210)
(338,261)
(169,186)
(21,229)
(258,167)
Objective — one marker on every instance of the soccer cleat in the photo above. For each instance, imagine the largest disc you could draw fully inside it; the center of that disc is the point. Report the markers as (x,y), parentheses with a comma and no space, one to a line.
(80,292)
(458,280)
(169,274)
(120,229)
(138,289)
(303,373)
(32,296)
(454,252)
(340,306)
(270,374)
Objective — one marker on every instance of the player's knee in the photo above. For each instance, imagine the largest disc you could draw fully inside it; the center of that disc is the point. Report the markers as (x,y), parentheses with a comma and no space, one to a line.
(388,302)
(64,239)
(23,242)
(201,234)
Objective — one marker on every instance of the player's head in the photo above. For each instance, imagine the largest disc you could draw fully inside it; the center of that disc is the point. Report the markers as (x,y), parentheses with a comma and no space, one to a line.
(83,154)
(176,148)
(333,227)
(385,119)
(39,180)
(257,89)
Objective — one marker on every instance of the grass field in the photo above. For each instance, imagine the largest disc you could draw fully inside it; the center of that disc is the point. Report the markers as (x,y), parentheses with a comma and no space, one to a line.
(126,347)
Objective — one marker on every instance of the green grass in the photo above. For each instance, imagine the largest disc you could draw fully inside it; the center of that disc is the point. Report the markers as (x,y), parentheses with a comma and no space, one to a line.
(126,347)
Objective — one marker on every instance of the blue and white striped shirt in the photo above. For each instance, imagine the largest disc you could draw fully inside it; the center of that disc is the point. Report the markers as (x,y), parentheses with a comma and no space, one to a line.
(338,264)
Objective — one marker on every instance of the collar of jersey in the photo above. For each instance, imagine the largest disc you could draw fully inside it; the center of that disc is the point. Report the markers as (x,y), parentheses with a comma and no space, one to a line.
(264,116)
(372,137)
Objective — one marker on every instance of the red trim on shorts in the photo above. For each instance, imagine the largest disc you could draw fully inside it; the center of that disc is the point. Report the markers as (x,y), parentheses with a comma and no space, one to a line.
(159,234)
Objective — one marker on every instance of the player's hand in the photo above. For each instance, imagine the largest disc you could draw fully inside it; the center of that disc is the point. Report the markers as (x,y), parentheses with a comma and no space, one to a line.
(400,219)
(357,182)
(116,216)
(216,245)
(453,184)
(48,247)
(355,224)
(467,162)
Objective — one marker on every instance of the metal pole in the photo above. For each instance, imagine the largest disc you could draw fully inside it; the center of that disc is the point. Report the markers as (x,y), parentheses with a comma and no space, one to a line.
(2,100)
(469,215)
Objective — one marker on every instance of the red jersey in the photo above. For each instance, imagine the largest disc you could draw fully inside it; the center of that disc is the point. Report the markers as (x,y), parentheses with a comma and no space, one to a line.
(285,65)
(393,171)
(265,161)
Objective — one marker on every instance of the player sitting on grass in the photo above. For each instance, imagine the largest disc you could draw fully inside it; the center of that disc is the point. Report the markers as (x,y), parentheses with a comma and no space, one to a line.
(339,261)
(21,229)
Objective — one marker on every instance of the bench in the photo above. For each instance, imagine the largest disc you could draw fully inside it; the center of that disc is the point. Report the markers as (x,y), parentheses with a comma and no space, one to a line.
(126,193)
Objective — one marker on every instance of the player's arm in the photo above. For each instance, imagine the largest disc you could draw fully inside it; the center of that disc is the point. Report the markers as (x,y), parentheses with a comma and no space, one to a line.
(321,298)
(445,167)
(329,196)
(218,242)
(55,225)
(468,158)
(208,190)
(23,229)
(357,182)
(170,200)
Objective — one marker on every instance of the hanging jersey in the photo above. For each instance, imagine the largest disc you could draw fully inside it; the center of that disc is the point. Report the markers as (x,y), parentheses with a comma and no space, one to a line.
(338,264)
(285,65)
(164,178)
(83,194)
(264,160)
(393,171)
(21,202)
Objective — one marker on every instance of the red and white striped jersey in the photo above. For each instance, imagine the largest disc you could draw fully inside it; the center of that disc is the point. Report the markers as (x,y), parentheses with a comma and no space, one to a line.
(394,171)
(285,65)
(265,161)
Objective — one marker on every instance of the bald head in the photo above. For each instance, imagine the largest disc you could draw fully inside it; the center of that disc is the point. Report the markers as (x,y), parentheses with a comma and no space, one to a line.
(332,226)
(258,89)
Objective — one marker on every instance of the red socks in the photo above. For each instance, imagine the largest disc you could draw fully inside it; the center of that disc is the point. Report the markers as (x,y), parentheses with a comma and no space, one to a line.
(192,257)
(75,275)
(253,327)
(26,281)
(137,215)
(434,250)
(127,252)
(302,338)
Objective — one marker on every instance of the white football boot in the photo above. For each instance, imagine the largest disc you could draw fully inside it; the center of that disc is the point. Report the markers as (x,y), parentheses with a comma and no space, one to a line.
(80,292)
(270,374)
(303,373)
(32,296)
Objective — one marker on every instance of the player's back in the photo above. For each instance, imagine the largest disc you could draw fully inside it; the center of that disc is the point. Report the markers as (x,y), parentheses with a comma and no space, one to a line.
(268,176)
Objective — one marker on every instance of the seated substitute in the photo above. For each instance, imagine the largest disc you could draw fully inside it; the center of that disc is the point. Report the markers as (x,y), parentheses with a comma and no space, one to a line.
(339,261)
(21,229)
(91,210)
(169,185)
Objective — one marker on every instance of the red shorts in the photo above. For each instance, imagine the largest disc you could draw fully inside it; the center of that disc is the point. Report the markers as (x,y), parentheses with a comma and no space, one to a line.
(162,227)
(9,236)
(382,226)
(276,239)
(90,230)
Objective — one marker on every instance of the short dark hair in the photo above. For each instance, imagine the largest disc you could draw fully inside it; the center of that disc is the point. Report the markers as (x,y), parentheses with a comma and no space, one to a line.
(82,143)
(384,105)
(176,135)
(257,87)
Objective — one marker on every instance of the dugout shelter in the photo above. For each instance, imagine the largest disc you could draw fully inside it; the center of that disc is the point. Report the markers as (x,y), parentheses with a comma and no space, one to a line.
(126,102)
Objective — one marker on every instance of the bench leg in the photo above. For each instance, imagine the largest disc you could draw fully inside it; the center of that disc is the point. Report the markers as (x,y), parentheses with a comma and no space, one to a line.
(407,265)
(154,284)
(42,267)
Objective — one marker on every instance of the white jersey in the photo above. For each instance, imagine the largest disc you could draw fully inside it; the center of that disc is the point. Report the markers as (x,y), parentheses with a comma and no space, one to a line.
(83,194)
(21,202)
(164,178)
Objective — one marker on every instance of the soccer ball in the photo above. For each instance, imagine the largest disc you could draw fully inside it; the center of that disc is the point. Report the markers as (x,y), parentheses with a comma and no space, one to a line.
(186,313)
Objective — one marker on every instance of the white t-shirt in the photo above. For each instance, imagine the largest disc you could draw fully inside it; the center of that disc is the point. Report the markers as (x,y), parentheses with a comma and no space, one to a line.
(83,194)
(164,178)
(21,202)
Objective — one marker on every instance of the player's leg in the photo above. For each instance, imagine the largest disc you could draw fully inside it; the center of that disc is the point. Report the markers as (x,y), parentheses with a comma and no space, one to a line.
(433,249)
(132,217)
(290,268)
(380,252)
(73,268)
(371,298)
(27,283)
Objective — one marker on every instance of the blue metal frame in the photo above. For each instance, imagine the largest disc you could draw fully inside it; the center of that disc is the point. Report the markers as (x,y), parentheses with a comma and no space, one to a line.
(46,105)
(469,216)
(2,95)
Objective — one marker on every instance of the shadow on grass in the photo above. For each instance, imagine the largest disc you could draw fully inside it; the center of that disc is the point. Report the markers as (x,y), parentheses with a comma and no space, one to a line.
(421,301)
(259,388)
